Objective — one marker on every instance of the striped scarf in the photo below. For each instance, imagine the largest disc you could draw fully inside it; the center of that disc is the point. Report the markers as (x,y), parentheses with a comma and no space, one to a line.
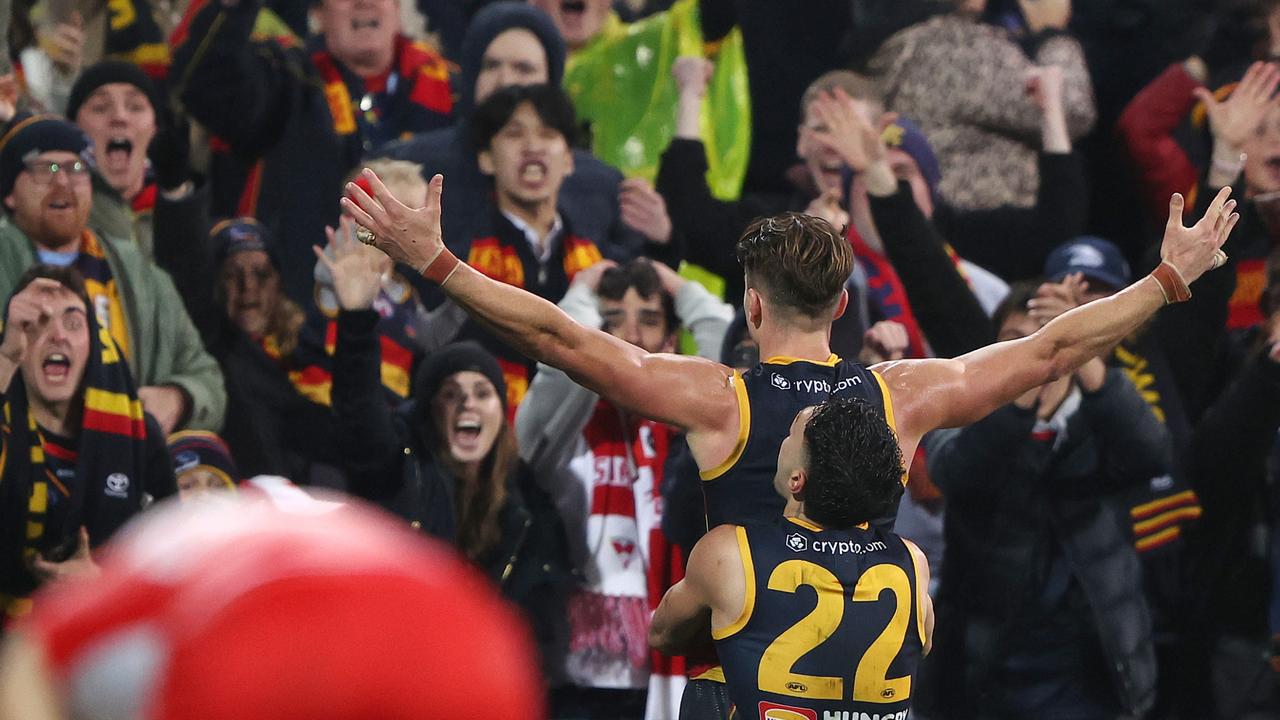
(416,88)
(498,257)
(310,366)
(110,467)
(103,290)
(630,563)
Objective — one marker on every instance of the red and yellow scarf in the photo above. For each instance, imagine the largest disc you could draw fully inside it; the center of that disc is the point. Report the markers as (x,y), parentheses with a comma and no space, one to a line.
(103,290)
(111,460)
(501,261)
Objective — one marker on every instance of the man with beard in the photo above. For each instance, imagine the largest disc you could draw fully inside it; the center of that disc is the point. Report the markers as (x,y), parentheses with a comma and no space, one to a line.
(45,187)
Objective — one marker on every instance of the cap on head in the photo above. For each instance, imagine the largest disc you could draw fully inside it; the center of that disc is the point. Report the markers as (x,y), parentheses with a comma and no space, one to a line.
(907,137)
(242,234)
(1099,260)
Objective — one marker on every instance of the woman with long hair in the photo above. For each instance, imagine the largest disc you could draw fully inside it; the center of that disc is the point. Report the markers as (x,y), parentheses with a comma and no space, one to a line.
(447,461)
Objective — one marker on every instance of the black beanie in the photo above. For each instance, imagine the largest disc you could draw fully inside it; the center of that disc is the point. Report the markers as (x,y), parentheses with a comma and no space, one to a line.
(492,21)
(104,73)
(456,358)
(32,135)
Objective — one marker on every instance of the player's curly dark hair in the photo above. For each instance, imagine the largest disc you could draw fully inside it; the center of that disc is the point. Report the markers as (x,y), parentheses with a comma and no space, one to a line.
(852,462)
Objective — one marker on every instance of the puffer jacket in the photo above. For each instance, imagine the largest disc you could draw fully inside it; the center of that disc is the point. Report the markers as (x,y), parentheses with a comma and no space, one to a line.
(1015,498)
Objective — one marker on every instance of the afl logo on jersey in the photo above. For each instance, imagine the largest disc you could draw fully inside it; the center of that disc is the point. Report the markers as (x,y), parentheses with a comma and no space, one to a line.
(780,382)
(797,542)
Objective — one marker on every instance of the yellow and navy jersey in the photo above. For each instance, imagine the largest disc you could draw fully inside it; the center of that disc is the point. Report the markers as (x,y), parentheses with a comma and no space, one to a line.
(741,490)
(832,625)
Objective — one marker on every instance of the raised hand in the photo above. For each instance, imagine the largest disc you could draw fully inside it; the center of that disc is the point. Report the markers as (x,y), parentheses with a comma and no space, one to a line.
(356,279)
(166,403)
(671,280)
(1233,119)
(1054,299)
(590,277)
(692,74)
(28,317)
(884,341)
(847,132)
(644,210)
(1195,250)
(827,207)
(1044,85)
(64,43)
(409,235)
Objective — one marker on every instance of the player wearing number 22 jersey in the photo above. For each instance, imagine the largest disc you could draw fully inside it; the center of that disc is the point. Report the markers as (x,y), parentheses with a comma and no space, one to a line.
(817,615)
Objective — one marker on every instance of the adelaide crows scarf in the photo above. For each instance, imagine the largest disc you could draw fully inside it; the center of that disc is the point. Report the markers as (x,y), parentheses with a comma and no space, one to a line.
(109,480)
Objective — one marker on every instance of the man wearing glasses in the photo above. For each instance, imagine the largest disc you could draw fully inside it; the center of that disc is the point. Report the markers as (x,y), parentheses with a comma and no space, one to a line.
(47,195)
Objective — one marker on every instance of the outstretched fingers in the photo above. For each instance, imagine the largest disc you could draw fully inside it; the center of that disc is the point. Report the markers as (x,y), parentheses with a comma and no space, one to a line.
(435,189)
(347,242)
(1219,201)
(320,253)
(1226,231)
(1267,83)
(1217,224)
(390,204)
(352,209)
(1260,81)
(1176,204)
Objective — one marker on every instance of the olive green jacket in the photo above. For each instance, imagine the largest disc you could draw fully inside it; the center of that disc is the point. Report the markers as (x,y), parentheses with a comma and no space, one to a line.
(165,348)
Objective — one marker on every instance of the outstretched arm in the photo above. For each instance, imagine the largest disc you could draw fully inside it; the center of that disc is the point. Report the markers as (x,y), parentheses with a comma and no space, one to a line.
(929,394)
(696,394)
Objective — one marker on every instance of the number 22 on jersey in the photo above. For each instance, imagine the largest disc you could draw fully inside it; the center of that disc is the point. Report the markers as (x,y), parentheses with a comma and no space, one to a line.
(870,683)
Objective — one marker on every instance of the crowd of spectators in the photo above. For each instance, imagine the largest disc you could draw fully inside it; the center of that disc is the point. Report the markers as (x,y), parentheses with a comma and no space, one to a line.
(174,270)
